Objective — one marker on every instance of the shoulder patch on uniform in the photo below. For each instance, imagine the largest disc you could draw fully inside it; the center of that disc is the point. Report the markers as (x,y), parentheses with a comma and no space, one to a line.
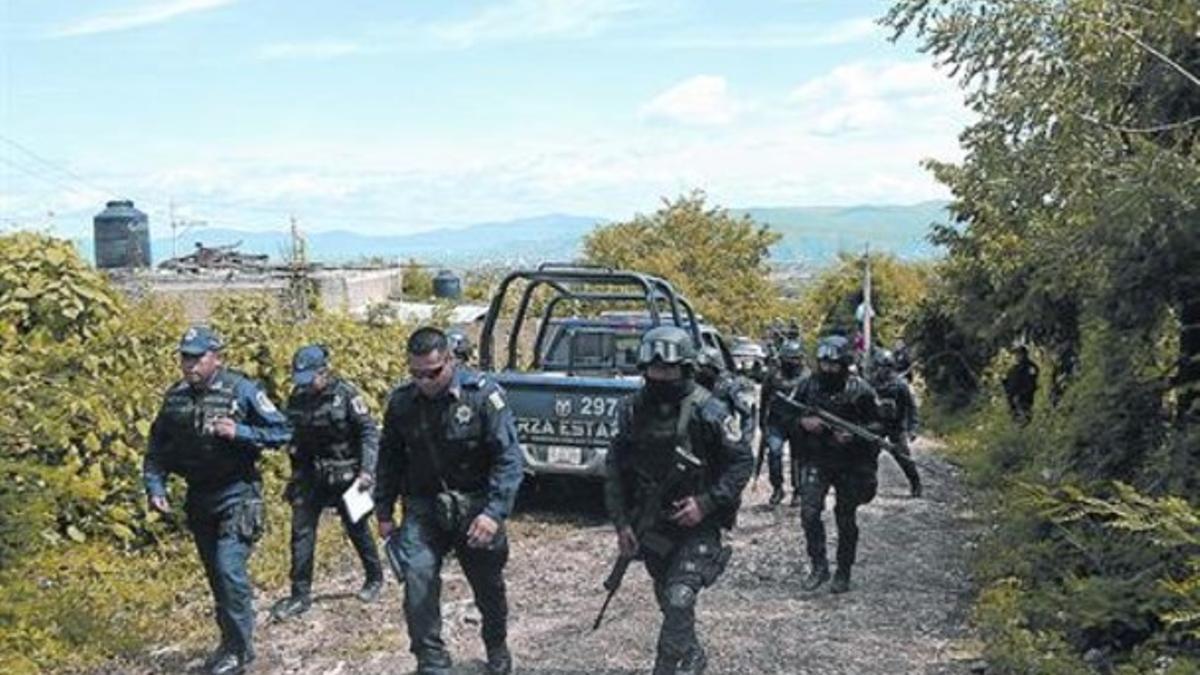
(497,400)
(358,405)
(732,428)
(264,403)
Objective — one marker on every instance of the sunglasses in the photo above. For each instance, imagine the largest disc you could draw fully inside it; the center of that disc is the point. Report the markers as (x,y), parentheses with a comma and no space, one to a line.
(428,373)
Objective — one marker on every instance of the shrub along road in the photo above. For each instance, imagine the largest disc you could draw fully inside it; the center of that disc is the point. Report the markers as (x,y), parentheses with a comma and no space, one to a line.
(906,612)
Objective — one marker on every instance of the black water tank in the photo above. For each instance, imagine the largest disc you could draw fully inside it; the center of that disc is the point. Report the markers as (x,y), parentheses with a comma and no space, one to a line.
(122,235)
(447,285)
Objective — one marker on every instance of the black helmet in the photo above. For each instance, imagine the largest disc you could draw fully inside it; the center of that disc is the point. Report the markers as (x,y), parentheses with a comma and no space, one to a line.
(710,357)
(791,350)
(834,348)
(669,345)
(884,359)
(459,344)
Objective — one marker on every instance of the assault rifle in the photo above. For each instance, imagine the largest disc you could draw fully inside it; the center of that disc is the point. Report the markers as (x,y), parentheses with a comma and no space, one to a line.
(762,454)
(683,465)
(836,422)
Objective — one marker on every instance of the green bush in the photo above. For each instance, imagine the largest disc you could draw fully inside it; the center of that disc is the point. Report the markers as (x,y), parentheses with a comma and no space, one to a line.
(87,573)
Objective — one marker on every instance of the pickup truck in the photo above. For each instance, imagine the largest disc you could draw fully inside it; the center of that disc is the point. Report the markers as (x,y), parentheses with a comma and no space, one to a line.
(567,383)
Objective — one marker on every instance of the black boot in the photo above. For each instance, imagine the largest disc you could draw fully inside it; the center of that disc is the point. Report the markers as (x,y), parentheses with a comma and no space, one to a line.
(434,663)
(776,496)
(499,660)
(664,665)
(290,607)
(218,654)
(818,574)
(841,580)
(693,662)
(370,590)
(915,488)
(230,664)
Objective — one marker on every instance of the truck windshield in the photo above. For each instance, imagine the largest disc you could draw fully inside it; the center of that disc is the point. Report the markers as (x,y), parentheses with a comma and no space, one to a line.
(593,349)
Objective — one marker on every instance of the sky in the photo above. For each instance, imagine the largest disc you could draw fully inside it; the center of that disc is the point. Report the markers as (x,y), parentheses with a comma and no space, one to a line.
(397,117)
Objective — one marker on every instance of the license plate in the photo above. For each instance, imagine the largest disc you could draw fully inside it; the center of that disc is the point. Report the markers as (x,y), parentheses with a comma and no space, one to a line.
(564,454)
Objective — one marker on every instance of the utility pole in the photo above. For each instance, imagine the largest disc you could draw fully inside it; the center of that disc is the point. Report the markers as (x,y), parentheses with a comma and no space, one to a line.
(179,227)
(868,312)
(298,274)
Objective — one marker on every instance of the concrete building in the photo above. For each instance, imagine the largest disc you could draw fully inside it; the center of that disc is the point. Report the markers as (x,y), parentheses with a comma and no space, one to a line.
(349,290)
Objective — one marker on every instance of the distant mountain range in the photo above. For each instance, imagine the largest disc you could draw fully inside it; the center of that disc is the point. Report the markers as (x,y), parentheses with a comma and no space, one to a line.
(811,235)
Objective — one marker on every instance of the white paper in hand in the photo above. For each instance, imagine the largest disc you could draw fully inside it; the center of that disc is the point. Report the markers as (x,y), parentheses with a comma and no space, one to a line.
(358,502)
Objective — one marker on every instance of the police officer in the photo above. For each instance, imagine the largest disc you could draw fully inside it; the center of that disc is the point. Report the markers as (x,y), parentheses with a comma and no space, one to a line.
(835,459)
(336,445)
(775,431)
(684,553)
(211,429)
(735,391)
(460,345)
(449,450)
(898,412)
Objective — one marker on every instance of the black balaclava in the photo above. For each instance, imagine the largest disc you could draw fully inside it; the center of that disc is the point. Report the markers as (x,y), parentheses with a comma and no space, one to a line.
(833,382)
(789,368)
(707,377)
(659,391)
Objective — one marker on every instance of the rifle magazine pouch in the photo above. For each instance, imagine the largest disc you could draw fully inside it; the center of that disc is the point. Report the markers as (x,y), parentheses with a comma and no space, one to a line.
(336,473)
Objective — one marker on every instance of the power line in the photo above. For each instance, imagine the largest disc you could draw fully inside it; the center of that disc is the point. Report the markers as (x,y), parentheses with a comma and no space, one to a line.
(56,182)
(56,167)
(65,175)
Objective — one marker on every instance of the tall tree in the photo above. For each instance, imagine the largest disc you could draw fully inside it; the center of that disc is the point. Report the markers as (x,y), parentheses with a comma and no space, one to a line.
(715,259)
(1079,196)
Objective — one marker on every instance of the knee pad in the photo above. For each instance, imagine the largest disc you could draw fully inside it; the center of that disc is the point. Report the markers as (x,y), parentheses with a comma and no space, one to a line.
(680,597)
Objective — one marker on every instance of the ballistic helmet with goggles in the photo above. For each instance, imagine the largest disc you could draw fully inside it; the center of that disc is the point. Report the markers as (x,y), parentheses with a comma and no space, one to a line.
(834,348)
(460,344)
(710,357)
(669,345)
(884,359)
(791,350)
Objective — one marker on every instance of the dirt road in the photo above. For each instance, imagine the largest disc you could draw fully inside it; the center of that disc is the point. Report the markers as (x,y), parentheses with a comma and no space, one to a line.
(906,612)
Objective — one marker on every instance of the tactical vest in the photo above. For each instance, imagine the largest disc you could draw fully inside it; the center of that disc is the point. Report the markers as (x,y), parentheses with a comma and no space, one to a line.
(842,403)
(446,442)
(655,437)
(203,459)
(892,411)
(730,389)
(780,384)
(321,424)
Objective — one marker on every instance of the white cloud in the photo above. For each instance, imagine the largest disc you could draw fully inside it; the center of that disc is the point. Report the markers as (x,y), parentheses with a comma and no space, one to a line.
(136,17)
(518,19)
(880,98)
(701,100)
(780,36)
(853,135)
(316,50)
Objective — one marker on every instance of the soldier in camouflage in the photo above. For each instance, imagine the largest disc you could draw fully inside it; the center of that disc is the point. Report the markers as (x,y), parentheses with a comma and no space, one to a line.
(836,459)
(898,411)
(683,553)
(775,431)
(734,390)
